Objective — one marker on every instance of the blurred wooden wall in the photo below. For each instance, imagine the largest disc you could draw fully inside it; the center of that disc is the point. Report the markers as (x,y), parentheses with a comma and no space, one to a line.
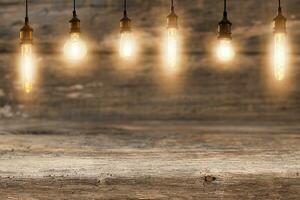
(106,88)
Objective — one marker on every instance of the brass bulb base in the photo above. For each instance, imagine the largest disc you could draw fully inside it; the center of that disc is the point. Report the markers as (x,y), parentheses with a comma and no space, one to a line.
(280,23)
(225,28)
(172,20)
(74,24)
(26,33)
(125,24)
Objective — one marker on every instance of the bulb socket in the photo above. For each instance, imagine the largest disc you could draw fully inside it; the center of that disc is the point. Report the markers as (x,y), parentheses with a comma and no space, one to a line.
(125,24)
(280,23)
(225,28)
(74,24)
(172,19)
(26,33)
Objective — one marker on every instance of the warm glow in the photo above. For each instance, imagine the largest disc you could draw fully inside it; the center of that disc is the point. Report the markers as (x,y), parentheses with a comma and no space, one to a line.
(75,49)
(172,47)
(280,56)
(27,67)
(225,50)
(126,45)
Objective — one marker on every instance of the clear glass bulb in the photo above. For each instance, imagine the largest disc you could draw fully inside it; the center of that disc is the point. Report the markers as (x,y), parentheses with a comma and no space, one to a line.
(126,45)
(280,56)
(27,67)
(172,46)
(225,51)
(75,49)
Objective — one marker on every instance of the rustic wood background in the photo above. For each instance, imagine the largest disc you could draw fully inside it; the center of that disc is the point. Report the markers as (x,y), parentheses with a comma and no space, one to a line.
(105,88)
(105,129)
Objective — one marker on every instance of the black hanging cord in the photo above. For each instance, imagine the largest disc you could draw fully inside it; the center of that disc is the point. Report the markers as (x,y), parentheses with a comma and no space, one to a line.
(26,12)
(26,8)
(125,8)
(225,8)
(172,6)
(279,6)
(279,3)
(74,7)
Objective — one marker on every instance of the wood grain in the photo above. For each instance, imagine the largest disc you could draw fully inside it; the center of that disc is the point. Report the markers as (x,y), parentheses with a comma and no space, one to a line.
(104,88)
(139,160)
(106,129)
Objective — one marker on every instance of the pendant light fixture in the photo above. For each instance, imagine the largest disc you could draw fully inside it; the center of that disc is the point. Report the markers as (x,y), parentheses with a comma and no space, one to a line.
(126,49)
(225,51)
(27,60)
(172,37)
(280,45)
(75,48)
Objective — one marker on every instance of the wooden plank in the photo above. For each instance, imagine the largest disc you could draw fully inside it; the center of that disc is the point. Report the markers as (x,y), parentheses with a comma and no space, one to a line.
(149,161)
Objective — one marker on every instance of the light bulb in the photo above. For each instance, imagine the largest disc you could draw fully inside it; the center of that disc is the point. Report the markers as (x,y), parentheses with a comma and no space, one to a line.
(126,45)
(172,38)
(280,46)
(27,67)
(172,46)
(75,49)
(225,51)
(280,56)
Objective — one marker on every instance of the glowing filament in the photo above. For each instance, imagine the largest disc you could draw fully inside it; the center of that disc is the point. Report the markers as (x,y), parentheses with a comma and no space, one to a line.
(126,45)
(172,46)
(75,49)
(27,67)
(280,56)
(225,50)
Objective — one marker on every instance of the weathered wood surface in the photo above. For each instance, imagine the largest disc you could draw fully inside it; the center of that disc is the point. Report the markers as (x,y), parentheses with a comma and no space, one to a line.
(198,19)
(110,92)
(104,88)
(154,160)
(248,150)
